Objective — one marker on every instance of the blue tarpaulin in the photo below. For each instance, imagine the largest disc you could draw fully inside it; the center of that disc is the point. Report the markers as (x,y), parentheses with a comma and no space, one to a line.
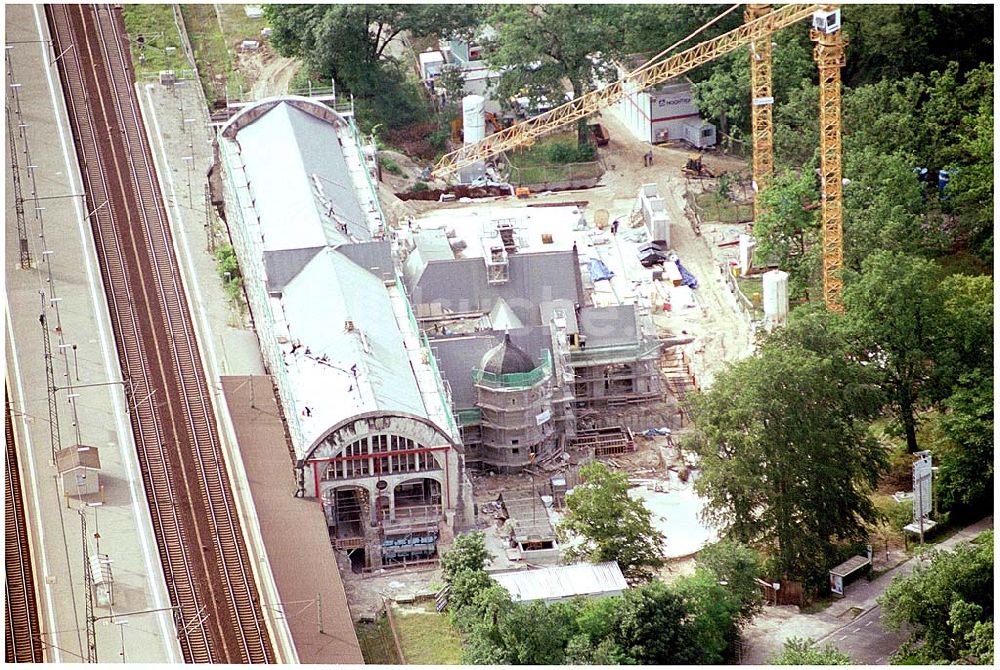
(687,278)
(598,270)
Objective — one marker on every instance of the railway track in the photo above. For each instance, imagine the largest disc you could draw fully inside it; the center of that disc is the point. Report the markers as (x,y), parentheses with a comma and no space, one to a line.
(208,574)
(23,634)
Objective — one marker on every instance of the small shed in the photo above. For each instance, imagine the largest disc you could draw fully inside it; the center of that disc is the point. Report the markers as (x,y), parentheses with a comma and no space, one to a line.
(563,582)
(78,468)
(851,568)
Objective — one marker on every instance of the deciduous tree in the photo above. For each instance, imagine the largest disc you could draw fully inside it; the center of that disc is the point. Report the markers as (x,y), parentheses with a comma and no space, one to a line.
(943,600)
(786,459)
(539,46)
(799,651)
(893,312)
(612,526)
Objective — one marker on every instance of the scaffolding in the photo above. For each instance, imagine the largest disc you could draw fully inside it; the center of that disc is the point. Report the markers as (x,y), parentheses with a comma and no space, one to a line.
(606,441)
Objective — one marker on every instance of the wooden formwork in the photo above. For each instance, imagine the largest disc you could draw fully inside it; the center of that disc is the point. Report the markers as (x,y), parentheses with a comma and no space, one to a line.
(606,441)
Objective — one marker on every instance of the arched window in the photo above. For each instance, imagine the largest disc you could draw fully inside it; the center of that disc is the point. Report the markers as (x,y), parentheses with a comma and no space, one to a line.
(380,454)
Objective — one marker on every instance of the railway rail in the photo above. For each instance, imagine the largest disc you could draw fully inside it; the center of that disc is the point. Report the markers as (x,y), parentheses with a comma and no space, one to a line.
(23,634)
(209,577)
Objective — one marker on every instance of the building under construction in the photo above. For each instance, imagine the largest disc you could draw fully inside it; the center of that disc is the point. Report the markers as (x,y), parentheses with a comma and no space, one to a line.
(533,350)
(371,428)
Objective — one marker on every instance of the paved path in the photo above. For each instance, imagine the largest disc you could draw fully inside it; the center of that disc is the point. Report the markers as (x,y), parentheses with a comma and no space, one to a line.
(862,637)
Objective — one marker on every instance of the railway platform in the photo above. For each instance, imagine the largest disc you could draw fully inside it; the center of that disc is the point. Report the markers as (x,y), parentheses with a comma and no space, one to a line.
(131,616)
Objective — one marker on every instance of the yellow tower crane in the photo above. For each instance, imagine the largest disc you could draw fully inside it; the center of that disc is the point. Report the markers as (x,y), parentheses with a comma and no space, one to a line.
(761,102)
(760,23)
(829,55)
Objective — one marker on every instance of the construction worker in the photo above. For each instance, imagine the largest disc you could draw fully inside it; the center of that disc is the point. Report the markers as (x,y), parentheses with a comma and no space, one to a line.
(649,158)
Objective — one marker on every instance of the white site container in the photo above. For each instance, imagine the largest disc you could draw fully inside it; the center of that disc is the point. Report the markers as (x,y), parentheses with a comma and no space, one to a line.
(775,298)
(474,118)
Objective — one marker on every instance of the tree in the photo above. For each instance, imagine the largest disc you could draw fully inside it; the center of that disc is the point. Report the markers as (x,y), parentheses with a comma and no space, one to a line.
(738,566)
(968,313)
(652,627)
(538,46)
(787,230)
(893,314)
(463,569)
(612,526)
(786,459)
(467,552)
(965,480)
(884,207)
(350,43)
(714,613)
(799,651)
(893,41)
(725,93)
(943,600)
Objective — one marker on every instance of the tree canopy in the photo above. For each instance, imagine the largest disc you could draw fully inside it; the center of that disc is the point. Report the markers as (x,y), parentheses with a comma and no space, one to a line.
(799,651)
(610,525)
(893,312)
(351,43)
(948,602)
(538,46)
(782,441)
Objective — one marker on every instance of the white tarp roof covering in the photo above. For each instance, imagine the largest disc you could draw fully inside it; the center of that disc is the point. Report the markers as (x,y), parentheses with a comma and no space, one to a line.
(345,372)
(300,181)
(563,581)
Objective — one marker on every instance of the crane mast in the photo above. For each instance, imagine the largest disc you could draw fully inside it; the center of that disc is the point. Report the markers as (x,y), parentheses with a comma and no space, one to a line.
(761,103)
(646,76)
(760,21)
(829,55)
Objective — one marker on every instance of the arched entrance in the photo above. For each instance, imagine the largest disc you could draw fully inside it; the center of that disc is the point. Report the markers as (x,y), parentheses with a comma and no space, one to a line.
(411,530)
(419,497)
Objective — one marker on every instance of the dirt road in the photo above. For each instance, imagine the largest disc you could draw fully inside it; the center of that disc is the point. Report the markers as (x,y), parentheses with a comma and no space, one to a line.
(722,333)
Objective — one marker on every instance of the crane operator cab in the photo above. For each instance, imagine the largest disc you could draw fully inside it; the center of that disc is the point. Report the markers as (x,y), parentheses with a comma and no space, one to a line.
(826,21)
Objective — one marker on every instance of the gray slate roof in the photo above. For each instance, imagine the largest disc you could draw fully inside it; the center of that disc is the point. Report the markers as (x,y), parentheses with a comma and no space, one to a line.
(460,285)
(457,356)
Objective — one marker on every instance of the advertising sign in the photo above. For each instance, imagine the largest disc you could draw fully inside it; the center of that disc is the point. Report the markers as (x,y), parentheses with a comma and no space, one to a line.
(921,486)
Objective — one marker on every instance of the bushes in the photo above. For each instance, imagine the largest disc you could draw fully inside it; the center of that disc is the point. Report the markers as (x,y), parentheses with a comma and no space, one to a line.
(561,153)
(389,165)
(229,271)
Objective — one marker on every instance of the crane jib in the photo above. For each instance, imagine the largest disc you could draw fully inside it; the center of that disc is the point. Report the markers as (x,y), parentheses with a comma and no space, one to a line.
(646,76)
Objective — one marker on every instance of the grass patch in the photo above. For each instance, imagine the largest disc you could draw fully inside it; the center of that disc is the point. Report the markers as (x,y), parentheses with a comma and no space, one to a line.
(427,637)
(818,605)
(534,165)
(237,26)
(215,58)
(714,208)
(375,638)
(156,24)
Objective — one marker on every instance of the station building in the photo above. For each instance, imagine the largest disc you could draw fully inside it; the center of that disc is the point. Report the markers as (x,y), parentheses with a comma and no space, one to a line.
(371,428)
(533,347)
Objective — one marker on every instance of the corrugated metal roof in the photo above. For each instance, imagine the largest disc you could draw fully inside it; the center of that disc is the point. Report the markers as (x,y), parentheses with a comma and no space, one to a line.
(299,180)
(352,357)
(563,581)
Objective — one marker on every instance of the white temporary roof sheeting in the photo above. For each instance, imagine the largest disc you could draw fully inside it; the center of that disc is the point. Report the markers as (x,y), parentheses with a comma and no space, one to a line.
(299,180)
(563,581)
(349,355)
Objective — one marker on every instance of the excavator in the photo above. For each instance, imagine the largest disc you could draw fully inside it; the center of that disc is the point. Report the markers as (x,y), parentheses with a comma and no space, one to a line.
(760,21)
(695,169)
